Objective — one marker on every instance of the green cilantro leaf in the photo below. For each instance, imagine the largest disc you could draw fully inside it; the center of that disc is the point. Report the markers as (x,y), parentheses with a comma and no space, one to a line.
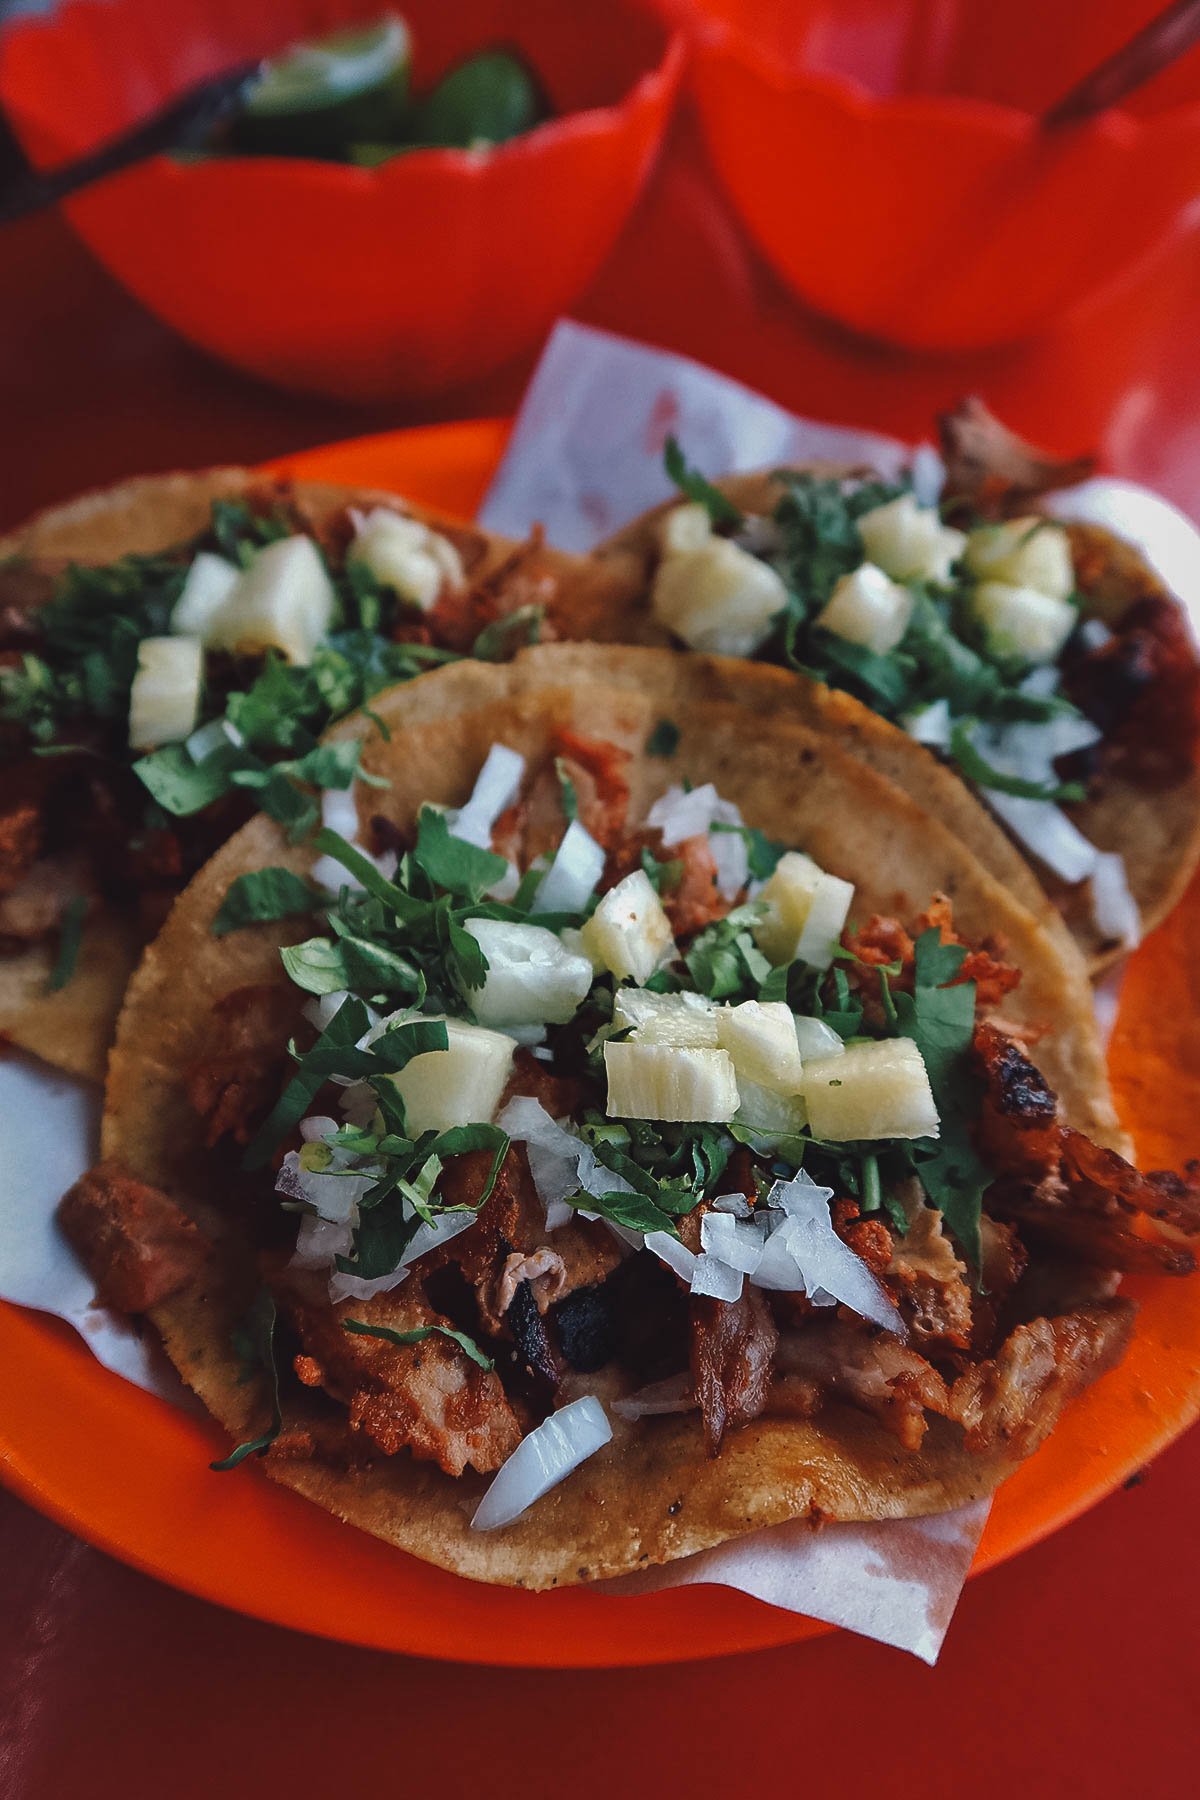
(70,939)
(451,862)
(418,1335)
(664,739)
(689,481)
(976,768)
(262,895)
(256,1338)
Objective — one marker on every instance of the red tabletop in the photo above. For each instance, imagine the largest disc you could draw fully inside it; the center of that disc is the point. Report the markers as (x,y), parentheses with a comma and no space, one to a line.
(1072,1669)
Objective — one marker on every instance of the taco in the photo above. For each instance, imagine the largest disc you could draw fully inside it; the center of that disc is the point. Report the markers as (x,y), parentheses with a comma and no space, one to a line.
(978,649)
(659,1153)
(170,651)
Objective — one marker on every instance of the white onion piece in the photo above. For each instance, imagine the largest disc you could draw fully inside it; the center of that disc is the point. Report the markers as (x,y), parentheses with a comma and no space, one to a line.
(506,887)
(1046,830)
(930,725)
(319,1241)
(1040,682)
(633,1240)
(737,1204)
(716,1279)
(824,1261)
(553,1155)
(319,1126)
(816,1038)
(737,1242)
(496,787)
(335,1192)
(322,1008)
(680,814)
(541,1460)
(213,736)
(927,473)
(340,814)
(674,1395)
(1113,906)
(571,879)
(1094,634)
(671,1251)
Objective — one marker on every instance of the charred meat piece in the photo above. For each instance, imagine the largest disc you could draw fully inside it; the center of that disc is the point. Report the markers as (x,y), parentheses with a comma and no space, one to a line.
(994,471)
(733,1346)
(835,1359)
(1016,1397)
(585,1327)
(137,1243)
(428,1397)
(1056,1184)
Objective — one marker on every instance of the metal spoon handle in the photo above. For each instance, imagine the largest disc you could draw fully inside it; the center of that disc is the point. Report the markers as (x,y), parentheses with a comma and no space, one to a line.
(1154,48)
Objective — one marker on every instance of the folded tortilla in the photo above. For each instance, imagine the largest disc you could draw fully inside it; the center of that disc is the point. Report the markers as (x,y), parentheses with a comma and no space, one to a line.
(1155,830)
(73,1027)
(652,1494)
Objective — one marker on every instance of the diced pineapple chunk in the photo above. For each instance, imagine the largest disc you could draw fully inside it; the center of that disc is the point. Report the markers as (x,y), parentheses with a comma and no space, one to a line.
(658,1081)
(284,601)
(408,556)
(718,598)
(532,978)
(868,608)
(629,933)
(875,1090)
(1029,552)
(1022,621)
(770,1114)
(806,910)
(760,1037)
(685,528)
(681,1019)
(909,542)
(207,589)
(164,699)
(460,1085)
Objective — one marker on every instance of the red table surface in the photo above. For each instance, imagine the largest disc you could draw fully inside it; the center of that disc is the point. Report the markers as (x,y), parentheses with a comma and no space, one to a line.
(1071,1670)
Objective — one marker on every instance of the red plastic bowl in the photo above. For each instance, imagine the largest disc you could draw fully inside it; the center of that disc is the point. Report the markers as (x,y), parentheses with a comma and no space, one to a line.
(884,155)
(361,283)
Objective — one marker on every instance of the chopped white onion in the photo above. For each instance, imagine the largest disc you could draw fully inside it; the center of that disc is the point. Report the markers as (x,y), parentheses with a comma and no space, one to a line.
(716,1279)
(319,1241)
(827,1264)
(321,1010)
(213,736)
(737,1242)
(927,472)
(816,1038)
(1113,906)
(671,1251)
(339,813)
(541,1460)
(930,724)
(680,814)
(1094,634)
(1046,830)
(553,1155)
(559,1161)
(496,787)
(674,1395)
(737,1204)
(571,879)
(334,1191)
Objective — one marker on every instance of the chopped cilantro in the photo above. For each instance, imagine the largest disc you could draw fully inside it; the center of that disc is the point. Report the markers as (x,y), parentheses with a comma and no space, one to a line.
(262,895)
(255,1339)
(70,938)
(418,1335)
(689,481)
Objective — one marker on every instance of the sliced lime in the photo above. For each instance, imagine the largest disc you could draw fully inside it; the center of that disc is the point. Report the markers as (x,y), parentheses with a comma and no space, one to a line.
(486,100)
(316,97)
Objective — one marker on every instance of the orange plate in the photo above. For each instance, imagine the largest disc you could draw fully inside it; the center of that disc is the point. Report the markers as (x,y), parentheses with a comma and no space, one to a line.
(130,1474)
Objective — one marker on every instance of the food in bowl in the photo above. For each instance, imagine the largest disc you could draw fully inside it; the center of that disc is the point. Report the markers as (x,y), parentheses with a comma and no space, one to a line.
(635,1147)
(347,97)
